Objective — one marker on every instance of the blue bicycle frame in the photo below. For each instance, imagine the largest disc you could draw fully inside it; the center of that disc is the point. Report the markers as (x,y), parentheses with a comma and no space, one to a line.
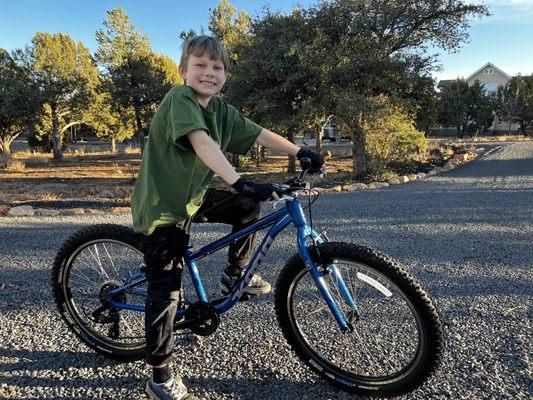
(293,213)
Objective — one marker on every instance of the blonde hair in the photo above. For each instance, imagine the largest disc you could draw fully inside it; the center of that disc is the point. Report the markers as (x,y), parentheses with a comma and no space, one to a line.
(199,45)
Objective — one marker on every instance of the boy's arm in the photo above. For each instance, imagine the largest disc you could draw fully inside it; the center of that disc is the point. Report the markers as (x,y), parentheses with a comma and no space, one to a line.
(209,152)
(274,141)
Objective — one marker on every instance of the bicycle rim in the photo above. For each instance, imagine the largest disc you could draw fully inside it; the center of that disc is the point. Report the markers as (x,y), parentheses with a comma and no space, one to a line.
(387,339)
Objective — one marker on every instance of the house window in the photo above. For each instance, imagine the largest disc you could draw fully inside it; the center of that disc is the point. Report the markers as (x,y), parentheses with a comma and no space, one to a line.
(489,71)
(491,87)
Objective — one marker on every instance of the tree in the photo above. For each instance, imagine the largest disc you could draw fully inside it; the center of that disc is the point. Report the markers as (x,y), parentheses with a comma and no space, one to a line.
(467,108)
(272,89)
(230,27)
(18,101)
(367,48)
(65,75)
(514,102)
(111,123)
(136,77)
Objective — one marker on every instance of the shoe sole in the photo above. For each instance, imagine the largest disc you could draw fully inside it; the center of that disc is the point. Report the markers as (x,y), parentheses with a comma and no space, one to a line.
(249,290)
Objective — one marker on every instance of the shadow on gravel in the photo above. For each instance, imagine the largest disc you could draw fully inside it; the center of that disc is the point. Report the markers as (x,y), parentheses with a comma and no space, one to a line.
(36,360)
(485,168)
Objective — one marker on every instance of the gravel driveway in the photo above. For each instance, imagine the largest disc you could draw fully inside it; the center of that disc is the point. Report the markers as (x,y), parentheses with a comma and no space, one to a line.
(467,235)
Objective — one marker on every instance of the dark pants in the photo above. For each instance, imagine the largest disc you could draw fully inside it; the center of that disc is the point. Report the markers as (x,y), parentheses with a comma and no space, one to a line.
(163,251)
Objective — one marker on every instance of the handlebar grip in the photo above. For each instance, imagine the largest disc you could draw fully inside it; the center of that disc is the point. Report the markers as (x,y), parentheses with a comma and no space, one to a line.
(305,162)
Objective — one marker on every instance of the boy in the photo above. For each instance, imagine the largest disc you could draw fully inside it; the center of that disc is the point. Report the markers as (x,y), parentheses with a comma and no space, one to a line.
(188,134)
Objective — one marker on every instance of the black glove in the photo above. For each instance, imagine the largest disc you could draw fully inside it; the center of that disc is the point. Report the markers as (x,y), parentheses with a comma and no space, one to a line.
(257,192)
(317,161)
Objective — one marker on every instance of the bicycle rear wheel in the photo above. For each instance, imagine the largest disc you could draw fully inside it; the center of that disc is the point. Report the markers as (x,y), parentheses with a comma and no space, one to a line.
(396,342)
(92,262)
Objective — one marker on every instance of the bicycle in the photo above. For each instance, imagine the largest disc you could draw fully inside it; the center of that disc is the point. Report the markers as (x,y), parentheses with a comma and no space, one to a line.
(352,314)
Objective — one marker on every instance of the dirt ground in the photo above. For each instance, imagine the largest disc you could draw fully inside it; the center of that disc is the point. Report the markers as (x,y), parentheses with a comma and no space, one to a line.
(102,180)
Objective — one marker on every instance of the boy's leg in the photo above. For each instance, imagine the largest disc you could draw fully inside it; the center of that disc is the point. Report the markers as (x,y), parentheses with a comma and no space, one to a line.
(163,251)
(222,206)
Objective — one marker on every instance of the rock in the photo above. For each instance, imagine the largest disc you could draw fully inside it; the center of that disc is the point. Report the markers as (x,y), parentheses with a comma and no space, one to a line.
(92,211)
(439,170)
(394,180)
(21,211)
(412,177)
(432,172)
(46,212)
(382,184)
(461,157)
(337,189)
(125,209)
(3,209)
(449,165)
(355,186)
(372,185)
(420,175)
(73,211)
(404,179)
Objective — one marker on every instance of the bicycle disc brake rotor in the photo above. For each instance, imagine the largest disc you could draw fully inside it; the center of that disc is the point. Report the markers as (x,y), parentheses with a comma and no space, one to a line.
(206,317)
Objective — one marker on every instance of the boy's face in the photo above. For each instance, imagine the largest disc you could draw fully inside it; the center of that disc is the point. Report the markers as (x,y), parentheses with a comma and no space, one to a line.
(205,76)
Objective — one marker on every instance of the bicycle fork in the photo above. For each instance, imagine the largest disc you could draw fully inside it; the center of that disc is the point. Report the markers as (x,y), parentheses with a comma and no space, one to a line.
(318,276)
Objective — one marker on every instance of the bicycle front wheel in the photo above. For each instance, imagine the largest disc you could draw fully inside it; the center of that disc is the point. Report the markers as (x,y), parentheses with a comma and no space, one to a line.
(396,341)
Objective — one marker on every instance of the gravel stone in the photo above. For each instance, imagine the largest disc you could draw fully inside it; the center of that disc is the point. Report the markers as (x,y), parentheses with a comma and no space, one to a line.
(466,235)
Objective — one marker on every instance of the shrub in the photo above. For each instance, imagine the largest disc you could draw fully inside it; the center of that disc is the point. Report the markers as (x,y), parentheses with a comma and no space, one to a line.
(391,137)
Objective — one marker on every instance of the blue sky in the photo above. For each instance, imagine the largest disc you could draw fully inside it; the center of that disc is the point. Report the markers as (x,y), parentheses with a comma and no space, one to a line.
(505,38)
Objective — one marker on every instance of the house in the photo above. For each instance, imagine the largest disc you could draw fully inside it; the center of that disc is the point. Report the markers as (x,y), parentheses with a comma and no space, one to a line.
(491,77)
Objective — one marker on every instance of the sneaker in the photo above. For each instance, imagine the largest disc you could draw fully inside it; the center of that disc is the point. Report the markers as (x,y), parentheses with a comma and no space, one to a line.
(256,286)
(173,389)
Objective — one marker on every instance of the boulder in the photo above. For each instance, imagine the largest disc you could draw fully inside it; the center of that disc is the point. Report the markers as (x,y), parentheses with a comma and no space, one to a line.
(404,179)
(21,211)
(432,172)
(355,186)
(337,188)
(461,157)
(73,211)
(121,209)
(372,185)
(394,180)
(46,212)
(3,209)
(412,177)
(382,184)
(420,175)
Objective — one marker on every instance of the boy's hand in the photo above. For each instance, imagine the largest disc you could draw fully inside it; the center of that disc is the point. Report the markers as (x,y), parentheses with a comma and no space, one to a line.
(257,192)
(317,161)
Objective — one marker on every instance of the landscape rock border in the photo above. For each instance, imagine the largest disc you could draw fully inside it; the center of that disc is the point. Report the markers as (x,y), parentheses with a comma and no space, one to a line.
(455,161)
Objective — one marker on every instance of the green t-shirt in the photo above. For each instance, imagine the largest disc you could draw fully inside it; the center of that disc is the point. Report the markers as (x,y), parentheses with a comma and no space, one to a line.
(172,180)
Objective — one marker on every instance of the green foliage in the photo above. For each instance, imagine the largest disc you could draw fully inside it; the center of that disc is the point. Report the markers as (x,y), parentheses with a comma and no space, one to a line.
(135,77)
(514,102)
(468,108)
(392,136)
(66,76)
(230,27)
(40,134)
(18,100)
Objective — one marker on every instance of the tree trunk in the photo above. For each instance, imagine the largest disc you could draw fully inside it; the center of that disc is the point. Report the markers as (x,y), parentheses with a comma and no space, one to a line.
(56,136)
(5,147)
(359,148)
(113,146)
(291,168)
(458,128)
(319,141)
(140,133)
(235,160)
